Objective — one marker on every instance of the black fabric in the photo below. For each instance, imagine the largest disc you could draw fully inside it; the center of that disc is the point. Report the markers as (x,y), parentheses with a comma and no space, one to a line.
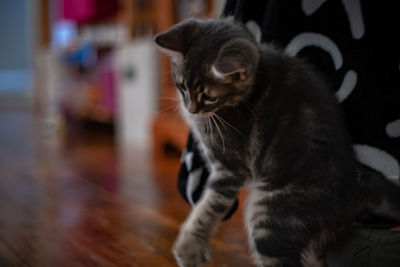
(356,47)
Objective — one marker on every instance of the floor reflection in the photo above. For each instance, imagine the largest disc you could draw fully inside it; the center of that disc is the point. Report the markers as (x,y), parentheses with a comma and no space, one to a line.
(82,199)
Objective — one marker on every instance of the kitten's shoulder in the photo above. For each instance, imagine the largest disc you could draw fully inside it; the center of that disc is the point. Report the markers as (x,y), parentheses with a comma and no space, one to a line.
(275,56)
(274,51)
(274,60)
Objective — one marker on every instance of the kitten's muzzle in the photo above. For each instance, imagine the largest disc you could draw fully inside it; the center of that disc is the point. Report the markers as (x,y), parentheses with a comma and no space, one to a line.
(193,109)
(199,113)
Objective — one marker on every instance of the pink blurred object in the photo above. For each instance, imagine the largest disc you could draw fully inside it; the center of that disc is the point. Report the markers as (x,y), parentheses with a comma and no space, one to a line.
(78,10)
(395,228)
(87,10)
(106,78)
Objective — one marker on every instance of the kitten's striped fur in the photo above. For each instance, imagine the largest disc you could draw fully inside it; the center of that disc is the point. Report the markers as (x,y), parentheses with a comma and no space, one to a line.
(264,119)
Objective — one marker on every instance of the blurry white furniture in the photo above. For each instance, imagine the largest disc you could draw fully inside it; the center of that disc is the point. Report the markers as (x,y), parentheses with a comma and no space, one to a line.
(137,83)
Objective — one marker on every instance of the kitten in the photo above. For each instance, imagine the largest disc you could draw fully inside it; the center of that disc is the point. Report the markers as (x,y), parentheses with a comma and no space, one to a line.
(266,119)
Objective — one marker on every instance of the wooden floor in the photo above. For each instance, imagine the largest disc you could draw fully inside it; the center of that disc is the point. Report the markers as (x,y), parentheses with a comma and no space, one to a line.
(82,201)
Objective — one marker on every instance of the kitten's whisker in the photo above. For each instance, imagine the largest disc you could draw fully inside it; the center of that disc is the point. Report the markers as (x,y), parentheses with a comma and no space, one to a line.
(170,98)
(227,123)
(209,126)
(220,133)
(173,114)
(222,123)
(166,101)
(168,108)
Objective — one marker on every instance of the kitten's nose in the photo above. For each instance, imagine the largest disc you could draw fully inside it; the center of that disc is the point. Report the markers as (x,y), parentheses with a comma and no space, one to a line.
(193,108)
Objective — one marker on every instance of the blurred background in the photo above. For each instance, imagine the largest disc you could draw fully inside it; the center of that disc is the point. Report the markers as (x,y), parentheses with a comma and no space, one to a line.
(78,63)
(90,134)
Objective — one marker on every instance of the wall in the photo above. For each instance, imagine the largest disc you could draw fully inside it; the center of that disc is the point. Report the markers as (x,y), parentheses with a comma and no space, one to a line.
(16,46)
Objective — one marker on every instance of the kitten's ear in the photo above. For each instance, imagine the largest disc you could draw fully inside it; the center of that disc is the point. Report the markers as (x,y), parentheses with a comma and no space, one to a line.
(236,61)
(178,38)
(169,41)
(228,69)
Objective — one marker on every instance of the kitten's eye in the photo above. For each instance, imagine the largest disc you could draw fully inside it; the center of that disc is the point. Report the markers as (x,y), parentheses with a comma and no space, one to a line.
(209,99)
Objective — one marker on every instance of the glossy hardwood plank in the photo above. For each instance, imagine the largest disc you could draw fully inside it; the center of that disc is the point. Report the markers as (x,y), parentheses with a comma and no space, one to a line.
(85,200)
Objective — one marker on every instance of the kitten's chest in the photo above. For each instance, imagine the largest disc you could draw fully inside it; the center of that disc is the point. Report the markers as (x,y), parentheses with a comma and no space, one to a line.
(221,139)
(209,141)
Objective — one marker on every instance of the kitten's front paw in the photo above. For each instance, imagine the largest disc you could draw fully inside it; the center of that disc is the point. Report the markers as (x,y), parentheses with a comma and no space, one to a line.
(191,251)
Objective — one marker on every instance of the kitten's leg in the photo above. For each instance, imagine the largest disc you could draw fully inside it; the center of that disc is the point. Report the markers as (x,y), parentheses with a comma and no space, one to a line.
(277,240)
(191,246)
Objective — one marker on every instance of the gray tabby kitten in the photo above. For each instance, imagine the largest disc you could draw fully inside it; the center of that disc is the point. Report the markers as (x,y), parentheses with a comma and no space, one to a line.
(266,119)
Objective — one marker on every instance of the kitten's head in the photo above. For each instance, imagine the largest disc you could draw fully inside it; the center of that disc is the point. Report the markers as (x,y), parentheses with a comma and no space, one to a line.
(213,63)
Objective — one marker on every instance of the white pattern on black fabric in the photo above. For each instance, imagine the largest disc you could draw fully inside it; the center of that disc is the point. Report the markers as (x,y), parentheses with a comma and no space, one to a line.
(308,39)
(188,159)
(184,151)
(193,183)
(379,160)
(255,30)
(371,156)
(354,14)
(393,129)
(352,9)
(310,6)
(347,86)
